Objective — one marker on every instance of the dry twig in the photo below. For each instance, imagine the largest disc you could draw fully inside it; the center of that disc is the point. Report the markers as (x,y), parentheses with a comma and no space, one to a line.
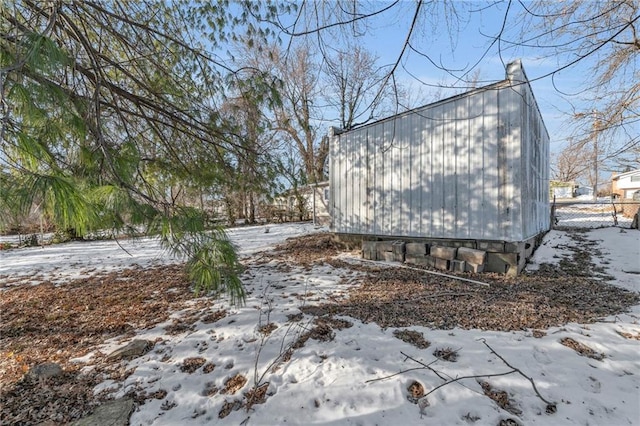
(551,406)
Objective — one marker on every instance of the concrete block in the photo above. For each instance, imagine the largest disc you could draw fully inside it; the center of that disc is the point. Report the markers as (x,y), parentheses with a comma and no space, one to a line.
(369,250)
(457,265)
(398,247)
(416,248)
(471,255)
(513,247)
(472,267)
(384,245)
(388,256)
(398,251)
(504,263)
(495,246)
(442,264)
(465,243)
(416,259)
(441,242)
(440,252)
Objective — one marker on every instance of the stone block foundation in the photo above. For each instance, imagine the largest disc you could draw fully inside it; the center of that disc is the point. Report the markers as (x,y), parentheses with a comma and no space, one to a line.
(476,256)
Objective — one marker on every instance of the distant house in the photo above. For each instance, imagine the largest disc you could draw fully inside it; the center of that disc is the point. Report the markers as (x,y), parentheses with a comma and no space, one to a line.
(308,202)
(559,189)
(584,191)
(471,170)
(625,185)
(626,188)
(317,202)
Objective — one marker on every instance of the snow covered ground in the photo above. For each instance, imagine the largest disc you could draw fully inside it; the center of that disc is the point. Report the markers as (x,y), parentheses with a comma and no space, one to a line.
(60,262)
(361,377)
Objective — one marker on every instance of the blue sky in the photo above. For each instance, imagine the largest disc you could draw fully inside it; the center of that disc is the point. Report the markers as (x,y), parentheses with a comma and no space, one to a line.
(461,47)
(459,44)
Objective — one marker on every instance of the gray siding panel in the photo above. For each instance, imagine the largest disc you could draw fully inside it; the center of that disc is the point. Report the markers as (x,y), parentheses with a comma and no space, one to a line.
(471,167)
(490,169)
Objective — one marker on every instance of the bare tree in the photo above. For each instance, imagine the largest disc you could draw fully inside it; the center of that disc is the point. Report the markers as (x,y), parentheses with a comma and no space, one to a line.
(569,165)
(571,34)
(296,111)
(607,114)
(354,80)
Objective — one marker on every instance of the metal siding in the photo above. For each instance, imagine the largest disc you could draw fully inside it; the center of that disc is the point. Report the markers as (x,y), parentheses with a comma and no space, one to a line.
(336,183)
(472,167)
(346,183)
(412,149)
(377,181)
(437,174)
(417,190)
(475,172)
(490,169)
(396,178)
(514,156)
(535,215)
(386,137)
(369,225)
(425,174)
(359,194)
(505,128)
(363,198)
(375,175)
(528,167)
(462,181)
(333,181)
(448,171)
(407,208)
(376,137)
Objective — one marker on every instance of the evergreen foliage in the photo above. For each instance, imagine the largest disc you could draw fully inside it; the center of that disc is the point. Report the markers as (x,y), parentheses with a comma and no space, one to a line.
(110,116)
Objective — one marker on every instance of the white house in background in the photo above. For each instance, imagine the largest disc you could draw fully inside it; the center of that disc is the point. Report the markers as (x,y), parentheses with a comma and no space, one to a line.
(313,204)
(467,170)
(625,185)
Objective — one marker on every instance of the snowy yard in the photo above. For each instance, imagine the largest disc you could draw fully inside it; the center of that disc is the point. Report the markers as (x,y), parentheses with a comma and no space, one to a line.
(274,362)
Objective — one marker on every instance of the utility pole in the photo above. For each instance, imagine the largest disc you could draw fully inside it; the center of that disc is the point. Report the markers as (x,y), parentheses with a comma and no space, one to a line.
(596,131)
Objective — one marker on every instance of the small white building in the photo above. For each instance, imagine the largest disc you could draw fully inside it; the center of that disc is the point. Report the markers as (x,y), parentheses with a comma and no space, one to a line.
(309,202)
(471,168)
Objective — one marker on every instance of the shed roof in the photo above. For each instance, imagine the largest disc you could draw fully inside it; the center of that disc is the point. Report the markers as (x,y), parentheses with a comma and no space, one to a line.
(512,70)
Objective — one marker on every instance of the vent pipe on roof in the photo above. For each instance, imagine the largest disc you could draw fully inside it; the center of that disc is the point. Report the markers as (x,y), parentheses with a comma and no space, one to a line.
(514,71)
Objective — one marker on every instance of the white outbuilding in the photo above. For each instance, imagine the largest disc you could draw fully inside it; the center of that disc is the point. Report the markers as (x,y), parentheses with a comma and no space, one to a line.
(471,170)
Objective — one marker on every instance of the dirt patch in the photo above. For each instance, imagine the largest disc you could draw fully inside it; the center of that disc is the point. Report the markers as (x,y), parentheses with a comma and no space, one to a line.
(401,297)
(446,354)
(256,395)
(49,323)
(415,391)
(267,329)
(56,400)
(413,337)
(501,398)
(629,335)
(228,407)
(307,249)
(582,349)
(191,365)
(214,316)
(234,384)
